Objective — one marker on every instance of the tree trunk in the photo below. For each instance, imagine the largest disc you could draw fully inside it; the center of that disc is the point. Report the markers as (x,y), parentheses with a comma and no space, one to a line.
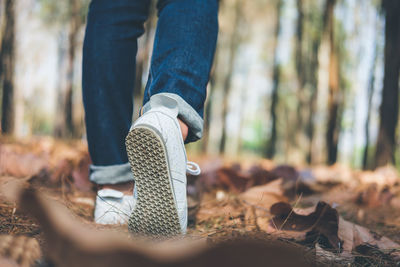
(308,40)
(334,99)
(242,116)
(228,78)
(7,61)
(369,106)
(271,146)
(66,127)
(313,80)
(386,143)
(75,24)
(59,125)
(301,74)
(209,102)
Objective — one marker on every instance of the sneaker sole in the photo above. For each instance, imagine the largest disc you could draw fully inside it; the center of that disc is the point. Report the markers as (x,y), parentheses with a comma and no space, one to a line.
(155,213)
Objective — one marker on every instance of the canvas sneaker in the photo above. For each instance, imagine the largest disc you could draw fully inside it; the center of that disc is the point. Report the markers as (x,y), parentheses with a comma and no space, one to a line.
(159,164)
(113,207)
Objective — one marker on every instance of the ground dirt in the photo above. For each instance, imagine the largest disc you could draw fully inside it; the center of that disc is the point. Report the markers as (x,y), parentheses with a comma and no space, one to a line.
(336,215)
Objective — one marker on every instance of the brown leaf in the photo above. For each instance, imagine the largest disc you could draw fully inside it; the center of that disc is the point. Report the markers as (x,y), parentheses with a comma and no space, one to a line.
(233,179)
(383,176)
(333,174)
(92,247)
(264,195)
(324,221)
(259,176)
(21,249)
(292,183)
(369,255)
(346,233)
(46,161)
(219,212)
(373,196)
(17,163)
(230,179)
(364,236)
(286,172)
(80,174)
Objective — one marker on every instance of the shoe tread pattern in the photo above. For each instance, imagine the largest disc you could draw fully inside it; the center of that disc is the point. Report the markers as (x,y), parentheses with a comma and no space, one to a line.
(155,213)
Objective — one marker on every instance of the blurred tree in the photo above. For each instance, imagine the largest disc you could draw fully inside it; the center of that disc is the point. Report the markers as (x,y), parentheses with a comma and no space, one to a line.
(307,43)
(335,95)
(69,15)
(7,63)
(271,146)
(369,98)
(227,84)
(389,108)
(314,23)
(369,106)
(209,102)
(68,127)
(301,72)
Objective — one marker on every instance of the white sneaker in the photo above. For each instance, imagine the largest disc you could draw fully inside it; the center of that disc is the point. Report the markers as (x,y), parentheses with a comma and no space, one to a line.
(158,160)
(113,207)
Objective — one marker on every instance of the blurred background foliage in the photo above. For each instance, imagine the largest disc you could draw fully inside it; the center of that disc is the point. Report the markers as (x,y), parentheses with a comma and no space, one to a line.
(299,81)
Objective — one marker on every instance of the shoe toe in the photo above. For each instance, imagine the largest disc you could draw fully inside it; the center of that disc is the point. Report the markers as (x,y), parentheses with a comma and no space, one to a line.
(113,207)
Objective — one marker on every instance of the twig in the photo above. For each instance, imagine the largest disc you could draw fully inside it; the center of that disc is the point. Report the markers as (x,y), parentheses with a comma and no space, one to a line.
(290,213)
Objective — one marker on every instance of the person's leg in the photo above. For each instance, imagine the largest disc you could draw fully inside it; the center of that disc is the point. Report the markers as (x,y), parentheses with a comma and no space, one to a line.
(109,55)
(182,56)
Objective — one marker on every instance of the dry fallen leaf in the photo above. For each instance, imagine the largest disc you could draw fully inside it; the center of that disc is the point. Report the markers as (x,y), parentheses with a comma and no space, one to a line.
(21,249)
(324,222)
(364,236)
(264,195)
(382,176)
(373,196)
(46,161)
(90,247)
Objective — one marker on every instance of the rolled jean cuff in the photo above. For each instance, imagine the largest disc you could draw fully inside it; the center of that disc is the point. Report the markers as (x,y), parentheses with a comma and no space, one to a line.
(112,174)
(187,114)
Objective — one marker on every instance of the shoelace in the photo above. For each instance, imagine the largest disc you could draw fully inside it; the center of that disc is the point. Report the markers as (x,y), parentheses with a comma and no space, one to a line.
(193,168)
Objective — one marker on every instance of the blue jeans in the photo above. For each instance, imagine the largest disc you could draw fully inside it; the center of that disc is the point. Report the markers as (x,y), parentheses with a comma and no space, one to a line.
(182,56)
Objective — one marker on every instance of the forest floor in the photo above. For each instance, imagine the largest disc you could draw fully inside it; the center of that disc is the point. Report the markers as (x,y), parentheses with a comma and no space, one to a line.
(339,216)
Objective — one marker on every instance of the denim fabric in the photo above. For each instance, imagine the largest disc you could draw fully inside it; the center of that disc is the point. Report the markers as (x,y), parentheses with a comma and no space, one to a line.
(183,51)
(186,113)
